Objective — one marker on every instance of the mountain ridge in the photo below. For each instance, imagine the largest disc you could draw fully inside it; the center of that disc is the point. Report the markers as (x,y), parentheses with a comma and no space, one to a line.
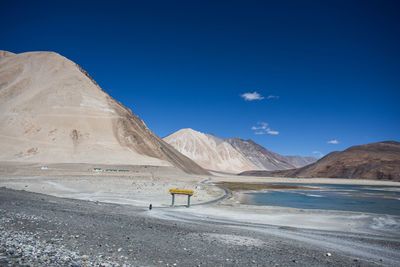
(259,155)
(209,151)
(380,160)
(249,153)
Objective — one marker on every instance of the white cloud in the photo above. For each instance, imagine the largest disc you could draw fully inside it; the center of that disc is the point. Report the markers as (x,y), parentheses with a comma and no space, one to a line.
(263,128)
(318,154)
(252,96)
(334,142)
(272,132)
(273,96)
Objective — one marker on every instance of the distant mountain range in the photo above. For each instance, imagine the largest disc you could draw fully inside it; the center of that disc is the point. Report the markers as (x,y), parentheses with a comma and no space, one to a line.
(231,155)
(52,111)
(379,161)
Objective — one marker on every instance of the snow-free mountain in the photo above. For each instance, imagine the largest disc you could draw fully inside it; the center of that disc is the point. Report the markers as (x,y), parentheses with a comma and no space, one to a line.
(258,155)
(231,155)
(299,161)
(378,161)
(209,151)
(52,111)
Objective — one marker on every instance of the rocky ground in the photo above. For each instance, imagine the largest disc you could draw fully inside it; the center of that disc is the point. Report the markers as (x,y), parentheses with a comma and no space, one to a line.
(41,230)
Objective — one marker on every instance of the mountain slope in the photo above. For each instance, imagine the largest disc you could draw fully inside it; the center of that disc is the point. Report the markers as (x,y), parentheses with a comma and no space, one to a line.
(232,155)
(53,111)
(299,161)
(259,156)
(209,151)
(371,161)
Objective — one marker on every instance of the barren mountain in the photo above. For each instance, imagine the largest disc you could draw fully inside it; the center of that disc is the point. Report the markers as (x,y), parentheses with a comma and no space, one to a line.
(209,151)
(299,161)
(371,161)
(260,156)
(52,111)
(232,155)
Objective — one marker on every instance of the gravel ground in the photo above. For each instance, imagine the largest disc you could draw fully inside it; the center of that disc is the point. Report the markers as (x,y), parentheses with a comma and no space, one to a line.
(41,230)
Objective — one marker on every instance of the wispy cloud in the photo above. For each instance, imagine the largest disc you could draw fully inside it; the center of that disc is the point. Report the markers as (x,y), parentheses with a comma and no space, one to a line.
(334,142)
(262,128)
(252,96)
(318,154)
(273,97)
(272,132)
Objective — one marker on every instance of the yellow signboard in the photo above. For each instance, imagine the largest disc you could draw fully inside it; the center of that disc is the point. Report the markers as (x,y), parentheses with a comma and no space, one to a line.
(181,191)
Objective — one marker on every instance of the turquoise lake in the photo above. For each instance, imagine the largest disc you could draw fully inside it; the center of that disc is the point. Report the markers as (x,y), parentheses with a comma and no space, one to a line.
(359,198)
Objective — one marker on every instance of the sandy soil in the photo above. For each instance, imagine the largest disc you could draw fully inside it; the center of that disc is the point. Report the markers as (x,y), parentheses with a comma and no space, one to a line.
(141,185)
(135,185)
(145,185)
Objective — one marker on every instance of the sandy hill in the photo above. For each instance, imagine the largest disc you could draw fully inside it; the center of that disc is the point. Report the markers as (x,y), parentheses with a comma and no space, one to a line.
(52,111)
(232,155)
(209,151)
(371,161)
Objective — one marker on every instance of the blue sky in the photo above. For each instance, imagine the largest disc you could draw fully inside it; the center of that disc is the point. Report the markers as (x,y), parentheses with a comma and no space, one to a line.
(332,66)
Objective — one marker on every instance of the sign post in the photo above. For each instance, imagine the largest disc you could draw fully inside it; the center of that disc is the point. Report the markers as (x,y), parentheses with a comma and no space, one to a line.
(189,193)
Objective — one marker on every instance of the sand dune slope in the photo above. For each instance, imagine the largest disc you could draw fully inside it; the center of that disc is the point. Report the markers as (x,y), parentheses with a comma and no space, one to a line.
(51,111)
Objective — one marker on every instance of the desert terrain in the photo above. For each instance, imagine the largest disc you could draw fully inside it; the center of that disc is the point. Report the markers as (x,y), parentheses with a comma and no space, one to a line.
(76,214)
(79,173)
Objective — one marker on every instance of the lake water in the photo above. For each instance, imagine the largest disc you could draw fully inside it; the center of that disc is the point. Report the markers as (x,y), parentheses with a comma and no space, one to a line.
(360,198)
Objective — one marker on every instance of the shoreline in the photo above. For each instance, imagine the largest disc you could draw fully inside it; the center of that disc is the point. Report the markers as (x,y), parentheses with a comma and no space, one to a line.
(44,230)
(151,185)
(252,179)
(211,231)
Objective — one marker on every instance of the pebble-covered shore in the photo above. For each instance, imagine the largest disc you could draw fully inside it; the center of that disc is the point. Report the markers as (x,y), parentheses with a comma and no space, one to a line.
(27,248)
(40,230)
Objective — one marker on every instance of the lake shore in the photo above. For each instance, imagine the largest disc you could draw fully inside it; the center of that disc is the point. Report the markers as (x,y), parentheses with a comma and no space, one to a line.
(43,230)
(137,188)
(144,185)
